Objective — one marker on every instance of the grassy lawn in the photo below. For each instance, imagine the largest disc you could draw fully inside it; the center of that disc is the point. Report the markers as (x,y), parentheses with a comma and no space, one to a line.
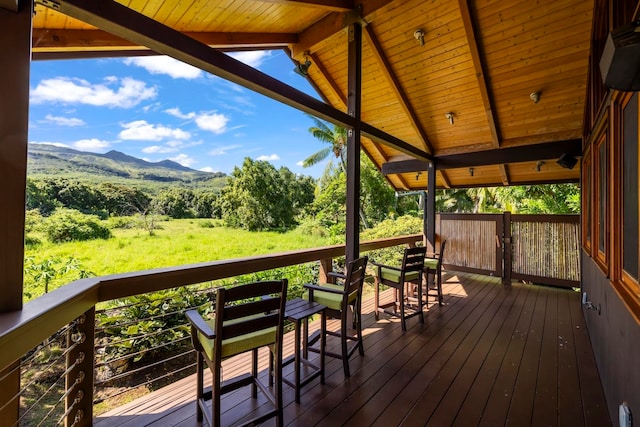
(178,242)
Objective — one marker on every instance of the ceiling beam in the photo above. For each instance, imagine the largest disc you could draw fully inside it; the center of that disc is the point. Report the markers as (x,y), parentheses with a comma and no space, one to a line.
(329,81)
(94,40)
(525,153)
(385,67)
(137,28)
(479,69)
(333,23)
(504,174)
(445,179)
(331,5)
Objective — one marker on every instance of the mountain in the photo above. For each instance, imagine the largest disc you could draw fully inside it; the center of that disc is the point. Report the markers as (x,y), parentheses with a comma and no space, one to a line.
(47,160)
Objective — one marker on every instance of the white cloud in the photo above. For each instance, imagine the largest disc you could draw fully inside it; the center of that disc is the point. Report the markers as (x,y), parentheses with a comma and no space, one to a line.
(159,149)
(300,163)
(251,58)
(179,114)
(78,91)
(64,121)
(220,151)
(214,122)
(165,65)
(140,130)
(183,159)
(270,157)
(207,169)
(57,144)
(92,144)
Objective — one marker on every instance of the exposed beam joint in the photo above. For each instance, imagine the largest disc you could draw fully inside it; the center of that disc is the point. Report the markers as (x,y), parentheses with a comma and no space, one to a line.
(525,153)
(445,179)
(504,175)
(130,25)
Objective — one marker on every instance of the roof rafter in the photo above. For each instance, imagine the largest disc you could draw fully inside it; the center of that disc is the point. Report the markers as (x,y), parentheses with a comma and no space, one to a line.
(399,93)
(332,5)
(95,40)
(138,28)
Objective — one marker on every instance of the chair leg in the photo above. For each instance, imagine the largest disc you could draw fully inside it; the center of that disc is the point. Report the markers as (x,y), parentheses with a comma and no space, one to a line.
(376,298)
(277,355)
(402,319)
(216,408)
(343,339)
(254,373)
(420,301)
(199,385)
(439,286)
(359,326)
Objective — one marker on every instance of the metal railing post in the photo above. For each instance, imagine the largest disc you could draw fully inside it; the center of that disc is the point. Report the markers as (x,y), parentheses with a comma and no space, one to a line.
(80,372)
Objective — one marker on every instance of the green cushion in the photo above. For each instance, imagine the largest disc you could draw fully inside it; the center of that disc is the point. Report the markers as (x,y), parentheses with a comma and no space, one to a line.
(332,301)
(431,263)
(241,343)
(394,275)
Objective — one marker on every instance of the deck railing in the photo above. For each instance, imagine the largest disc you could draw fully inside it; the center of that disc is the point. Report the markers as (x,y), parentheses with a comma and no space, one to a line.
(61,324)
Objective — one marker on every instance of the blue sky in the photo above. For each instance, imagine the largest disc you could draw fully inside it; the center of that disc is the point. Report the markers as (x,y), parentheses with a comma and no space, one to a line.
(158,108)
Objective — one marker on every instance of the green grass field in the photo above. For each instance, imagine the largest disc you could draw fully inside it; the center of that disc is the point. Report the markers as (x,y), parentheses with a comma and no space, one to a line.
(178,242)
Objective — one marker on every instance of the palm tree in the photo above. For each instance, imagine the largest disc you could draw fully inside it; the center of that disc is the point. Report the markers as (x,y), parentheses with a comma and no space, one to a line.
(336,136)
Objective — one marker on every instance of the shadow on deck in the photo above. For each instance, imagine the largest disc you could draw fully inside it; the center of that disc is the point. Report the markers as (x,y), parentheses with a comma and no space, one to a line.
(490,356)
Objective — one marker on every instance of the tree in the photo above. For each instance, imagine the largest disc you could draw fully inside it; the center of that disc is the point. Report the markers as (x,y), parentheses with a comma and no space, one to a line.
(336,136)
(259,197)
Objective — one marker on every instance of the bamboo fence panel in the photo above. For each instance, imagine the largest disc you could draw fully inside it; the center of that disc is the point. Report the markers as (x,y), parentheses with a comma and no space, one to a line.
(470,243)
(546,249)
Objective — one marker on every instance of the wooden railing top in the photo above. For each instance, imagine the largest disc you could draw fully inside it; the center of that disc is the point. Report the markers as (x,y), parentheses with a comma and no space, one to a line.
(20,331)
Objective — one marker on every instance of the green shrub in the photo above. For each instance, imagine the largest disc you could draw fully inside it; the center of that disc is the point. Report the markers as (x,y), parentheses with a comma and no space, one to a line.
(67,225)
(400,226)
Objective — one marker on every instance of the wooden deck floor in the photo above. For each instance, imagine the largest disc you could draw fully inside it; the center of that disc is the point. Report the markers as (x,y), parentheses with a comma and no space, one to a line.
(491,356)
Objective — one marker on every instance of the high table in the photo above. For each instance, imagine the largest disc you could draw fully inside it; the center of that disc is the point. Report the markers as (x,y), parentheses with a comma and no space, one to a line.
(297,311)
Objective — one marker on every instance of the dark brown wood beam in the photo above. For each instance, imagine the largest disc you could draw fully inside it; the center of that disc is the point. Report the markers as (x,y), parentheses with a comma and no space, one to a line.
(333,23)
(15,55)
(403,100)
(331,5)
(10,5)
(525,153)
(328,80)
(128,24)
(95,40)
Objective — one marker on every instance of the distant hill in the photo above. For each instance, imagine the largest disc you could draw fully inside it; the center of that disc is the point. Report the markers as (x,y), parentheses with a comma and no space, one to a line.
(52,161)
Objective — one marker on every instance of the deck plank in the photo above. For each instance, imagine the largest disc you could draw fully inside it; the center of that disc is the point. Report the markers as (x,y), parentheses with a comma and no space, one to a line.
(491,355)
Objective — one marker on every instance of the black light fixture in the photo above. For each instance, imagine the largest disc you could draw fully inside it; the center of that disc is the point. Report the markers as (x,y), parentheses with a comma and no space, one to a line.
(303,68)
(620,61)
(567,161)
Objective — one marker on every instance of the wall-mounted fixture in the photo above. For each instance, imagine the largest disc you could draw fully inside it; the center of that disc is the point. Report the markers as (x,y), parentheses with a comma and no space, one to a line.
(418,175)
(620,60)
(589,305)
(449,117)
(419,35)
(535,96)
(303,68)
(567,161)
(539,165)
(471,171)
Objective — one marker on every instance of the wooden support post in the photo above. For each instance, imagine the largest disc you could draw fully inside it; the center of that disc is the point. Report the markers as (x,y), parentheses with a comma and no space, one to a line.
(15,57)
(79,402)
(9,395)
(354,104)
(430,209)
(326,266)
(506,249)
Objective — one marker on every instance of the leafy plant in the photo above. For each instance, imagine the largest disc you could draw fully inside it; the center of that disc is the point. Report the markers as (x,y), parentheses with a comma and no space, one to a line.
(66,225)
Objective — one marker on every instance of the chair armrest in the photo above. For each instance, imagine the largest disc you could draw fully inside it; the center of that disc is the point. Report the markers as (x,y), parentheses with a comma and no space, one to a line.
(313,287)
(385,266)
(198,322)
(336,274)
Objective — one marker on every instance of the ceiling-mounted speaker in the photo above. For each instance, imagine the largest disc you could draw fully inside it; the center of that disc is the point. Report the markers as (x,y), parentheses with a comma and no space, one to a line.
(620,61)
(567,161)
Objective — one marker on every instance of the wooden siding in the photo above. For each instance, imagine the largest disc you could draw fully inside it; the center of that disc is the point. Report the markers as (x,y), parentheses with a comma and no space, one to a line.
(490,356)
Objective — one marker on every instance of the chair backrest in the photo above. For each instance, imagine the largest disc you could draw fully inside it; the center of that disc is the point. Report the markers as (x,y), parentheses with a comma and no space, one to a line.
(441,254)
(413,259)
(249,308)
(354,278)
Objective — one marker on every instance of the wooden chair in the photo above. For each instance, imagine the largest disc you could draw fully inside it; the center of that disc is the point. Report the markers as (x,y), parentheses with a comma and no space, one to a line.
(433,269)
(410,272)
(338,298)
(247,317)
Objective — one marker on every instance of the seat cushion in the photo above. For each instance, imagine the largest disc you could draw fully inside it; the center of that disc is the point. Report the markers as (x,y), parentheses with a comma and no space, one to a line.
(241,343)
(394,275)
(431,263)
(332,301)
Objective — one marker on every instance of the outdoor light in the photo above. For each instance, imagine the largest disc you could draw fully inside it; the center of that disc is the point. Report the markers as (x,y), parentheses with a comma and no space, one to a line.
(471,171)
(303,68)
(567,161)
(419,35)
(449,117)
(539,165)
(535,96)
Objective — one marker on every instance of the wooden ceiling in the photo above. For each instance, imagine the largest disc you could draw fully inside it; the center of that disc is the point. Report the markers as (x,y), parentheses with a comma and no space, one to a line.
(480,60)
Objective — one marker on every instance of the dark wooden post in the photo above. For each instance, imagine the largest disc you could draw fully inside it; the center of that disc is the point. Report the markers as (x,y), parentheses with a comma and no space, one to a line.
(326,266)
(15,57)
(79,380)
(430,208)
(506,249)
(354,103)
(9,394)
